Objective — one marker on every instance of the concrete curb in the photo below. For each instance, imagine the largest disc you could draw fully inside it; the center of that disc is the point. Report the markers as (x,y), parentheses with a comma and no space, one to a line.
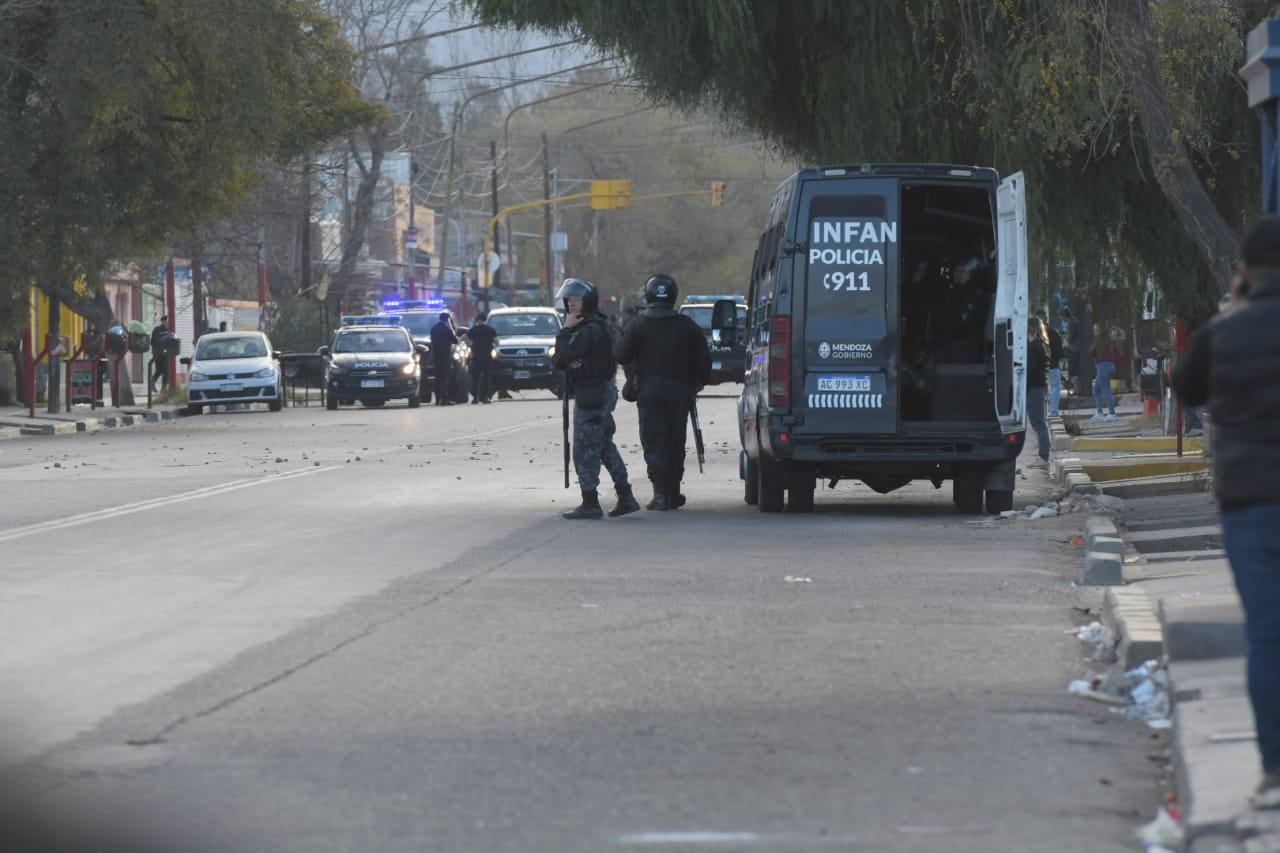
(1185,618)
(18,425)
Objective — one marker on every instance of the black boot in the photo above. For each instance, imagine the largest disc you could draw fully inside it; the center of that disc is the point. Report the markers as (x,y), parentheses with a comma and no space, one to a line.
(660,501)
(589,508)
(626,502)
(677,500)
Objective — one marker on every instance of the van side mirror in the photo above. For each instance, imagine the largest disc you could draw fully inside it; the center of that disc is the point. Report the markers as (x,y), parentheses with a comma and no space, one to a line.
(184,360)
(324,351)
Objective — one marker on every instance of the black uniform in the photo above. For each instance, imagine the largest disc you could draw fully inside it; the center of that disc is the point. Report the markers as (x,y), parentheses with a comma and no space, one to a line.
(595,395)
(443,338)
(482,337)
(671,362)
(158,366)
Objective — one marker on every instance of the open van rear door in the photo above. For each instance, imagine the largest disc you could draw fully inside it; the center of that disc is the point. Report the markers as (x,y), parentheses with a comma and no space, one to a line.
(1010,314)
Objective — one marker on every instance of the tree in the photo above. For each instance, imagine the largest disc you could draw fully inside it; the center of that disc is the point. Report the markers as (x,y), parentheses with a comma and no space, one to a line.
(125,121)
(1094,100)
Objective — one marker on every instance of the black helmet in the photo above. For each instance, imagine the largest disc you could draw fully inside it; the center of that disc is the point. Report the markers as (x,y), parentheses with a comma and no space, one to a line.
(660,290)
(579,288)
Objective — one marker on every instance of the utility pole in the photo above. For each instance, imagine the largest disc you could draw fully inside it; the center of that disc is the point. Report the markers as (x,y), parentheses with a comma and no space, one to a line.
(496,276)
(453,134)
(546,218)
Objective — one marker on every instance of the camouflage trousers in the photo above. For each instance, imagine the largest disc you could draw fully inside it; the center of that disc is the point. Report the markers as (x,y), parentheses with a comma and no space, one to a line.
(593,431)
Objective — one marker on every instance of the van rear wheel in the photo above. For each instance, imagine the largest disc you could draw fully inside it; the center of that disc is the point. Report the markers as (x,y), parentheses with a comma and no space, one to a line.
(800,500)
(999,500)
(769,496)
(751,482)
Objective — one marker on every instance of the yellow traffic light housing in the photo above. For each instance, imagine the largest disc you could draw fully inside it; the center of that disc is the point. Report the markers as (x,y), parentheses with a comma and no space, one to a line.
(717,193)
(610,195)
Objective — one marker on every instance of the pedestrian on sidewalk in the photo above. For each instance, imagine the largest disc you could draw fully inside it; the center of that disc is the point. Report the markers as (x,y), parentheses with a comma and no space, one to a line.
(1103,352)
(1071,344)
(158,364)
(1038,384)
(1233,368)
(1055,361)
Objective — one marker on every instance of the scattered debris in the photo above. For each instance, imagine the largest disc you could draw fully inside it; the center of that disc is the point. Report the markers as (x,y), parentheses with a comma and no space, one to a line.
(1162,834)
(791,579)
(1101,638)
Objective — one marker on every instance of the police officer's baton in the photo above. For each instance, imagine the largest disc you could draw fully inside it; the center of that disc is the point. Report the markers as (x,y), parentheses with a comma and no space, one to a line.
(564,417)
(697,433)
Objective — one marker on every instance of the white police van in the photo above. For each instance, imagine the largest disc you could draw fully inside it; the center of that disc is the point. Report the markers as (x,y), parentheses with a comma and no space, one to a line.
(886,335)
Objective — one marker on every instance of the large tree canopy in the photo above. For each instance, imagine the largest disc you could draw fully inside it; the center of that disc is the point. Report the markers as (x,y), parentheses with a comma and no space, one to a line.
(1098,101)
(123,122)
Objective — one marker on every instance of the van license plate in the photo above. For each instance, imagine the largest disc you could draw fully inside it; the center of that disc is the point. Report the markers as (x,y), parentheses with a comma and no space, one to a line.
(372,383)
(521,374)
(717,365)
(844,383)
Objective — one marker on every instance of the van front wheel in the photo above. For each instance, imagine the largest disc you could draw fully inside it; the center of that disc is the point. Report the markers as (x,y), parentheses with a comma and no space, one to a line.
(770,496)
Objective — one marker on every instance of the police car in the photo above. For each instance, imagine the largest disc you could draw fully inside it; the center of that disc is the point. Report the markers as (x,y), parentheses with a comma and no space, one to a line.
(372,360)
(417,316)
(728,355)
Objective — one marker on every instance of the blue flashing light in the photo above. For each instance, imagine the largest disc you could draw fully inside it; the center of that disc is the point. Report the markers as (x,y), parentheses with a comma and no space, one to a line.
(409,304)
(371,320)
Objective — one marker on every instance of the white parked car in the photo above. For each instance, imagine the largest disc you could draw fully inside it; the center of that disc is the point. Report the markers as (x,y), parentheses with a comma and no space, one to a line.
(233,367)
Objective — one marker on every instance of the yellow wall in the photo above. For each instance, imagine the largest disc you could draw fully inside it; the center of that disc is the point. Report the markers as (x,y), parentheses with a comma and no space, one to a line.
(72,324)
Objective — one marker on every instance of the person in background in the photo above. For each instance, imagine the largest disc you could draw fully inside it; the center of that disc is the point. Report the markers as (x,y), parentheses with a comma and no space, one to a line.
(1233,369)
(1103,352)
(1055,362)
(1037,385)
(158,366)
(443,337)
(482,337)
(1071,345)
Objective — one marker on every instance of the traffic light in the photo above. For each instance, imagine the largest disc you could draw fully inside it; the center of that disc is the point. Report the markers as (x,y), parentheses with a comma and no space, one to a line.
(610,195)
(717,193)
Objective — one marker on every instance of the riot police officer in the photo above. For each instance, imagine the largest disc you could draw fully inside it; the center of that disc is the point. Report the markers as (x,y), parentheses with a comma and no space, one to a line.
(584,350)
(671,364)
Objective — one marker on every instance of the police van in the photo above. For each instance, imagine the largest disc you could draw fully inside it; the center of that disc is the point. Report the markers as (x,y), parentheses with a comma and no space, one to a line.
(886,335)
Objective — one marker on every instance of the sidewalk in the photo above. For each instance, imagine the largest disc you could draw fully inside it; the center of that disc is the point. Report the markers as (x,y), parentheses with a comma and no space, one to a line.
(1154,542)
(15,421)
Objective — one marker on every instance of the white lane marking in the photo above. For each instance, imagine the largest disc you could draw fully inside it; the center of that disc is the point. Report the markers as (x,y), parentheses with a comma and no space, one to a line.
(500,430)
(689,838)
(140,506)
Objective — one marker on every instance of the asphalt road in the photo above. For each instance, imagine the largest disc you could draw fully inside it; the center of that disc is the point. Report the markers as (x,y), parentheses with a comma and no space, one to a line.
(369,630)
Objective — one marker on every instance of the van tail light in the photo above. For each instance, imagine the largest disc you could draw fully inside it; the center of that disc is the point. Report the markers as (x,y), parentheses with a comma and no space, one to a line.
(780,362)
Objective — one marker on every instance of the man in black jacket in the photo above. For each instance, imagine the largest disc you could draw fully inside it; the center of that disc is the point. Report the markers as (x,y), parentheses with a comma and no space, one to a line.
(482,337)
(584,351)
(443,337)
(1055,362)
(1233,368)
(159,366)
(672,363)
